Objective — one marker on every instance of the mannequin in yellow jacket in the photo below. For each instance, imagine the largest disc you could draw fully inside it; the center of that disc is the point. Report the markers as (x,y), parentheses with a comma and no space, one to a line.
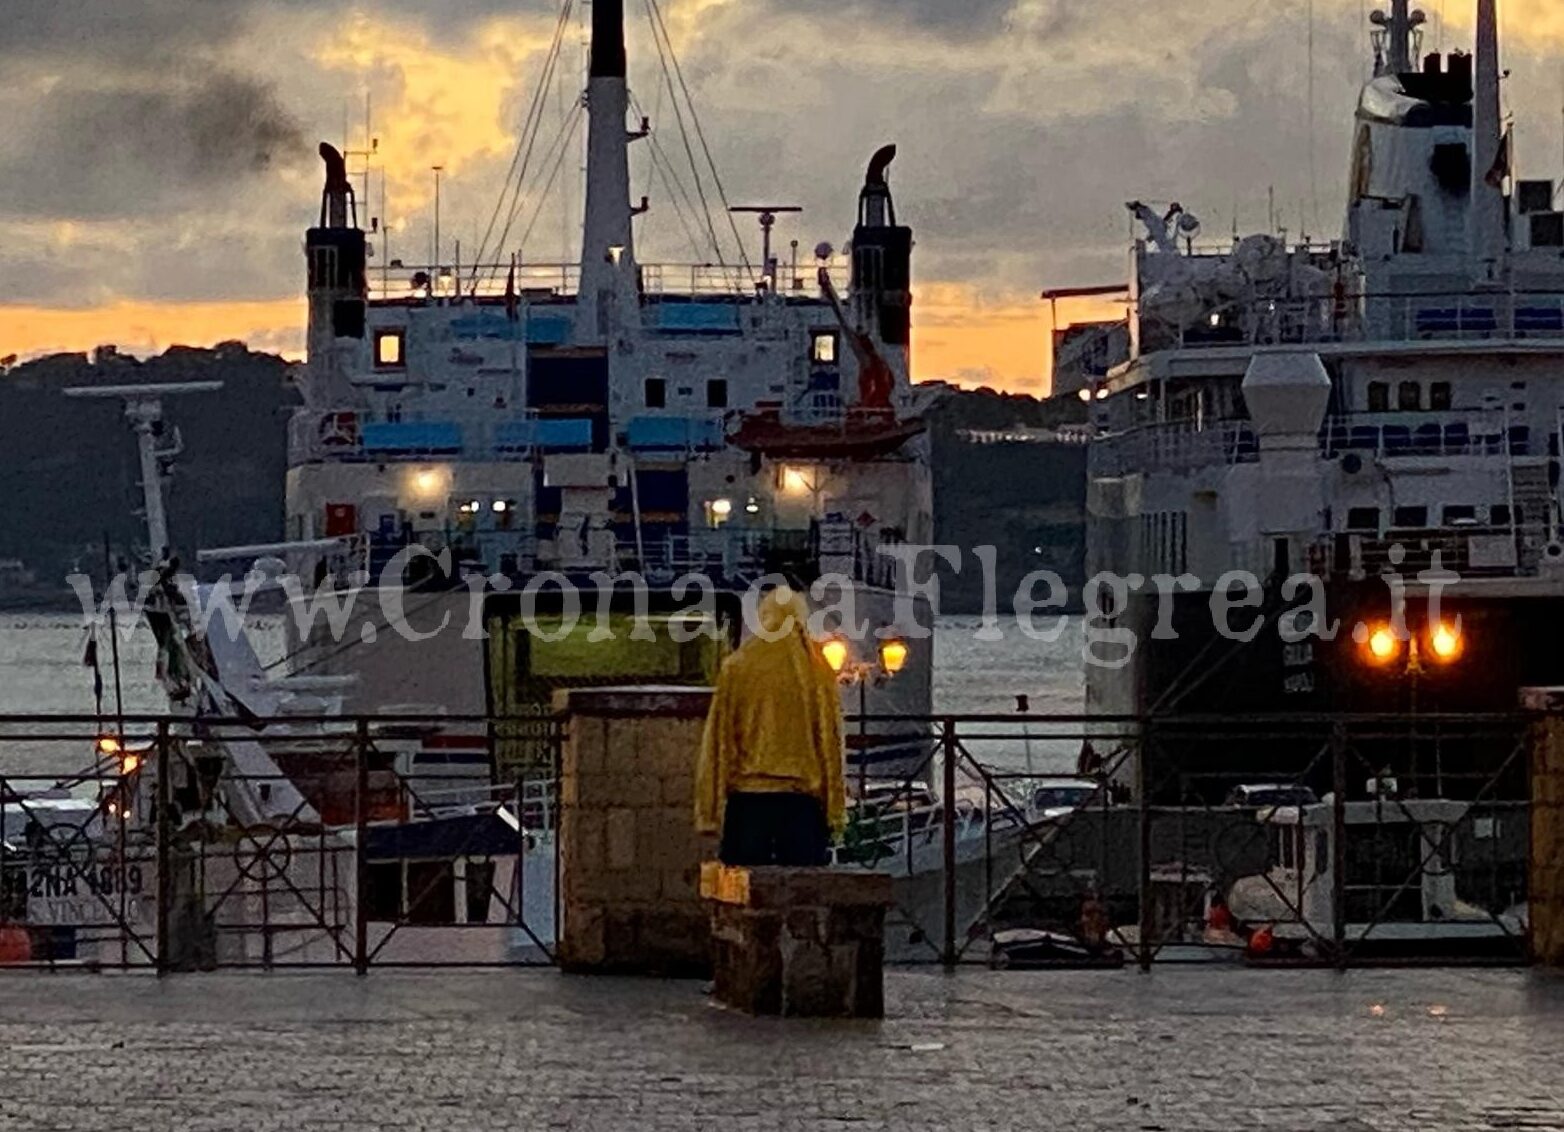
(770,774)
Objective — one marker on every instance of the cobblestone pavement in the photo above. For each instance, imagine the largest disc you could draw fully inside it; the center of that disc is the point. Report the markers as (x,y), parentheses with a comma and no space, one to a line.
(1178,1049)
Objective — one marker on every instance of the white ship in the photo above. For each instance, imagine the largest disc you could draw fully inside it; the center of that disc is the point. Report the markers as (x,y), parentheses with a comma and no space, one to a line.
(577,421)
(1382,404)
(561,424)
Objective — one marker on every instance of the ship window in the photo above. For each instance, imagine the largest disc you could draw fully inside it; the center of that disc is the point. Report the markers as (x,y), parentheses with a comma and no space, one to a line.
(1378,397)
(656,393)
(1410,517)
(717,394)
(390,349)
(1460,514)
(1363,519)
(1409,397)
(822,347)
(1439,398)
(1499,515)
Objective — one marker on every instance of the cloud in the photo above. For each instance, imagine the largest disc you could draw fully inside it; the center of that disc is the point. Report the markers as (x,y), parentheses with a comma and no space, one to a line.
(129,149)
(149,145)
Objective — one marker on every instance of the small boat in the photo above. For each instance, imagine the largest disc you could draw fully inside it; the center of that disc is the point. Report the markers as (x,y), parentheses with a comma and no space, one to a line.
(1398,892)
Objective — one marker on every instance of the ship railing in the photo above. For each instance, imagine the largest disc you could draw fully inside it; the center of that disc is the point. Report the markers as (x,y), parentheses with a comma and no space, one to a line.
(1472,551)
(1442,434)
(1468,318)
(1174,446)
(747,554)
(1323,319)
(1268,322)
(356,435)
(451,282)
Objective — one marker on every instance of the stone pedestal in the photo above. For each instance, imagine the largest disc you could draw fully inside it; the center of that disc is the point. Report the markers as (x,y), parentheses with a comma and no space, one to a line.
(1545,895)
(629,856)
(803,943)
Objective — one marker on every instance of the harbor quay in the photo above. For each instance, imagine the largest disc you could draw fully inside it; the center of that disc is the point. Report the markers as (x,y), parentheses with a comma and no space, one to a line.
(1182,1048)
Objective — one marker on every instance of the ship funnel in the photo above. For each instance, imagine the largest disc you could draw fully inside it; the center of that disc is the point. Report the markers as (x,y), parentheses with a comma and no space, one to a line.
(608,272)
(337,196)
(1489,161)
(608,39)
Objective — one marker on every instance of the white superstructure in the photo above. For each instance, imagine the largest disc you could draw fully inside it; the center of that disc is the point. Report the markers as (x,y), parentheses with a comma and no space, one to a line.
(1345,410)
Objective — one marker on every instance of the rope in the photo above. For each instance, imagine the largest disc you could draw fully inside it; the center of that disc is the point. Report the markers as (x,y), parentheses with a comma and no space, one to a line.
(700,132)
(525,144)
(684,134)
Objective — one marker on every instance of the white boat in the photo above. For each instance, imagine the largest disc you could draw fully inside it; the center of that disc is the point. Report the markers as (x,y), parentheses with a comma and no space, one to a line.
(1398,891)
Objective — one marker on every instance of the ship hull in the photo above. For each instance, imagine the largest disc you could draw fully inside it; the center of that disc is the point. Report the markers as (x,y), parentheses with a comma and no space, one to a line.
(1214,704)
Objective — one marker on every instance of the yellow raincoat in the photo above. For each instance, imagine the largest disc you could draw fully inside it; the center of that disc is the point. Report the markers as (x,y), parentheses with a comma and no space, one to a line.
(775,725)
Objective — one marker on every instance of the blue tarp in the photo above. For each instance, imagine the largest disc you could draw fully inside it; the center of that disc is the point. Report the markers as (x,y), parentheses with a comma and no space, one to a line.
(549,329)
(412,436)
(650,434)
(569,434)
(697,318)
(485,324)
(554,435)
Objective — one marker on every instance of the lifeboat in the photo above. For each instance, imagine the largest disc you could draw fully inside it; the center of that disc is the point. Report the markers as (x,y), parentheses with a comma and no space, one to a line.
(858,434)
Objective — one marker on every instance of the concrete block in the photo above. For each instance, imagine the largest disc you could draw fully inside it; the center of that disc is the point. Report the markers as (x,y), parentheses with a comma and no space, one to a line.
(582,943)
(586,746)
(799,942)
(621,838)
(668,747)
(677,790)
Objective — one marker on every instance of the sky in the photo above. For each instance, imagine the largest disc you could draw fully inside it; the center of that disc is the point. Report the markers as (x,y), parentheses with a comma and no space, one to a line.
(158,167)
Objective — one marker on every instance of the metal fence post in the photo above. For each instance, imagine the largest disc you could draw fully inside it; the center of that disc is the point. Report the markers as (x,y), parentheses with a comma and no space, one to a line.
(1143,883)
(361,836)
(948,741)
(165,802)
(1338,864)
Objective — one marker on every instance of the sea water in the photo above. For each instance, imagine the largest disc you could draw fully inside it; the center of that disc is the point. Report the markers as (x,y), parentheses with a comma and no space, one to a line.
(42,673)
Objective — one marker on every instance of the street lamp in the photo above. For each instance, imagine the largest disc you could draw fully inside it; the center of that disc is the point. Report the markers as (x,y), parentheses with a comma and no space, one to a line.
(890,658)
(1440,645)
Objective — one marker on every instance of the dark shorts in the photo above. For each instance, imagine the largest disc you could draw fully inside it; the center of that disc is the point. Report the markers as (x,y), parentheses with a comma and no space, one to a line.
(775,829)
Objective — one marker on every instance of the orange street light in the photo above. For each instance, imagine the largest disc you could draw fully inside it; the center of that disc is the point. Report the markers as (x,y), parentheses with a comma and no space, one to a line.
(1381,644)
(836,653)
(1445,641)
(893,655)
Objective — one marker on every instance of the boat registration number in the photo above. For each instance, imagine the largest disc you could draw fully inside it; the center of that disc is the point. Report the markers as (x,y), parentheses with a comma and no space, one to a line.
(66,893)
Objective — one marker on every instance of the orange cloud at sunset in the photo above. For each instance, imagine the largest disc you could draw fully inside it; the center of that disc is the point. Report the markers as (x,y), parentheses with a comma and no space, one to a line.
(150,327)
(970,338)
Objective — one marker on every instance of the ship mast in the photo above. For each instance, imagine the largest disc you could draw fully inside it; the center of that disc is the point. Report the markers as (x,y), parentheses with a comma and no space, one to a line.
(1486,218)
(608,272)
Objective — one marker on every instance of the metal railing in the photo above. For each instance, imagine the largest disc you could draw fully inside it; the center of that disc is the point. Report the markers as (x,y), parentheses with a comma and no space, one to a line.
(451,281)
(1010,840)
(1444,434)
(1393,318)
(1174,446)
(352,842)
(1357,840)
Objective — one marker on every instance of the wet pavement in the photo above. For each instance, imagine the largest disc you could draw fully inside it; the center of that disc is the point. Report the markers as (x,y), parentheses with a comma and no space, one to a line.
(1181,1048)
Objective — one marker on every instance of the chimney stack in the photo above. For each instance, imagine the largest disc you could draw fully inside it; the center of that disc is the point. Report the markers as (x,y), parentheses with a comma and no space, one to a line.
(608,272)
(1486,217)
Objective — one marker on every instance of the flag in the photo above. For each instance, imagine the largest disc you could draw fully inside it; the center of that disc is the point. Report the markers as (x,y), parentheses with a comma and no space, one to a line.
(511,311)
(1501,165)
(89,659)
